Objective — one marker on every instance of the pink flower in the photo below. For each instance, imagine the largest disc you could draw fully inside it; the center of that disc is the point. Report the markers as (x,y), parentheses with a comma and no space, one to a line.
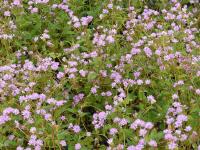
(16,2)
(136,74)
(123,122)
(110,141)
(19,148)
(60,75)
(62,118)
(26,114)
(142,132)
(108,93)
(188,128)
(63,143)
(93,90)
(48,117)
(148,51)
(151,99)
(172,146)
(77,25)
(86,20)
(113,131)
(140,82)
(131,147)
(105,11)
(110,6)
(34,10)
(148,125)
(7,13)
(198,91)
(11,137)
(76,128)
(108,107)
(33,129)
(135,51)
(77,146)
(54,65)
(152,143)
(83,73)
(174,96)
(110,39)
(99,119)
(147,82)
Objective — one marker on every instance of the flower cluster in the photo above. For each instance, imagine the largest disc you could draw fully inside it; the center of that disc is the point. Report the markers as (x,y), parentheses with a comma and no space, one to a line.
(177,131)
(104,74)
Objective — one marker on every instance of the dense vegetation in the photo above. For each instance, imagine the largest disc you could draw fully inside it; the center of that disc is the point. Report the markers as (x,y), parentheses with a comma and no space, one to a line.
(100,74)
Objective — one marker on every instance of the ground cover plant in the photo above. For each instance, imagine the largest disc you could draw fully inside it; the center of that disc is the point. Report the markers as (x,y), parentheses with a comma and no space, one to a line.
(100,74)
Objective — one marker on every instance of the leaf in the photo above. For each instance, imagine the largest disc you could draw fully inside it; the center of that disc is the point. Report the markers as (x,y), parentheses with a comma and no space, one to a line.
(141,95)
(91,76)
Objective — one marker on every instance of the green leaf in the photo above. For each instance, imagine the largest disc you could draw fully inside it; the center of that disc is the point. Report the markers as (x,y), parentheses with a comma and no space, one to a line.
(91,76)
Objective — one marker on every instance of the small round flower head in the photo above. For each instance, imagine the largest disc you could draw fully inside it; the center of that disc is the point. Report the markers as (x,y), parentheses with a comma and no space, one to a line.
(62,118)
(113,131)
(11,137)
(174,96)
(7,13)
(147,82)
(152,143)
(60,75)
(198,91)
(77,146)
(142,132)
(188,128)
(110,141)
(17,2)
(33,129)
(93,90)
(110,6)
(172,145)
(76,128)
(63,143)
(139,82)
(34,10)
(131,147)
(151,99)
(88,134)
(19,148)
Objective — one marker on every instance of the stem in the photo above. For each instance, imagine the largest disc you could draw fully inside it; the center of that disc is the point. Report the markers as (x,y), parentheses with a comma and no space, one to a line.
(53,140)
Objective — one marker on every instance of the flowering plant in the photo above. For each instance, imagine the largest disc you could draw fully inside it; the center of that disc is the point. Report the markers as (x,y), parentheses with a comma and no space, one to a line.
(109,74)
